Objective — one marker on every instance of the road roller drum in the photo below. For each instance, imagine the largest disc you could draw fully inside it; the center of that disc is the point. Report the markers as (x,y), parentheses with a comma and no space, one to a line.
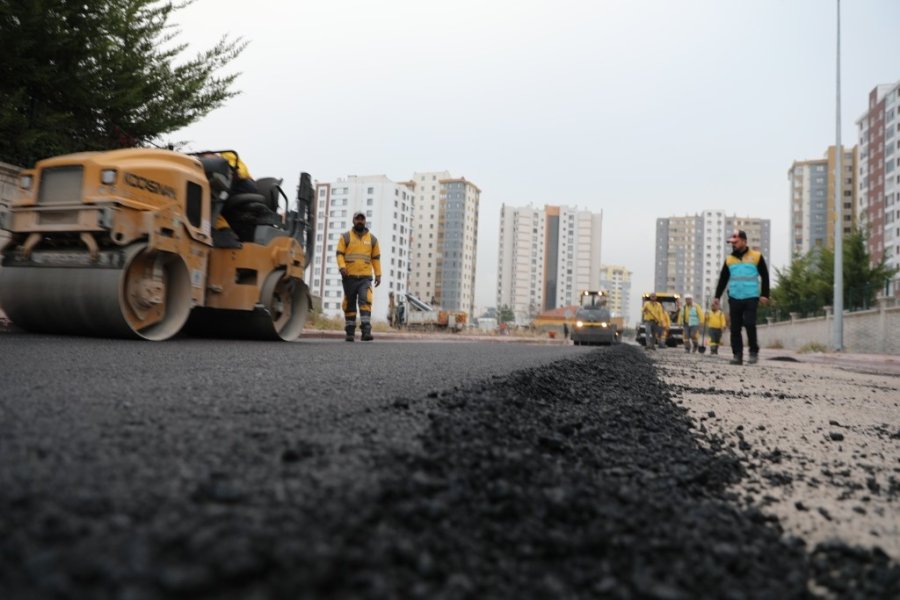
(135,243)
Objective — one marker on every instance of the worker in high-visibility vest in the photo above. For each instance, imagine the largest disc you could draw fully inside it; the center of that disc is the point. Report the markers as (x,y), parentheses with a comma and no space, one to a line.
(653,315)
(716,322)
(746,275)
(690,317)
(358,257)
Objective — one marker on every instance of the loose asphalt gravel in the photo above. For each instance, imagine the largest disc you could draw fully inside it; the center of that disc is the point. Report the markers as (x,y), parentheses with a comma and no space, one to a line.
(577,479)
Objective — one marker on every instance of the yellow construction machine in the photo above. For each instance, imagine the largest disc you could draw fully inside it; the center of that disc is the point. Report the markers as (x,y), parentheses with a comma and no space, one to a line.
(147,243)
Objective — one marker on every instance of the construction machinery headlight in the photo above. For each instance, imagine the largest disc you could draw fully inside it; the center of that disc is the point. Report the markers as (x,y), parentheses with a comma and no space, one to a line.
(604,324)
(108,176)
(579,324)
(25,182)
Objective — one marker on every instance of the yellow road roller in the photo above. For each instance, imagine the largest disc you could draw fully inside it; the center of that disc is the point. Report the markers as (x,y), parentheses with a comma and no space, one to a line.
(147,243)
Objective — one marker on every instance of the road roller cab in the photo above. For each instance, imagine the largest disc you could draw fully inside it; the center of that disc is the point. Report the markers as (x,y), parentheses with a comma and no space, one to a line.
(125,243)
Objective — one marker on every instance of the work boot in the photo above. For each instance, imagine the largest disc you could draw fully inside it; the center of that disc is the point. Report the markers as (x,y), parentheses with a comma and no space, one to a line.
(367,333)
(351,331)
(714,350)
(754,358)
(737,360)
(687,348)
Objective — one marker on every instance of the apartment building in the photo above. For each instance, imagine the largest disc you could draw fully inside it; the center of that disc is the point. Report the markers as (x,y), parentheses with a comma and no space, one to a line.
(616,280)
(690,250)
(878,179)
(444,240)
(812,188)
(572,254)
(520,272)
(388,208)
(547,257)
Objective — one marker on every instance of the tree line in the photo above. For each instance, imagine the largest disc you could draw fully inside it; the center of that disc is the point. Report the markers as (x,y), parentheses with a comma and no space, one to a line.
(806,286)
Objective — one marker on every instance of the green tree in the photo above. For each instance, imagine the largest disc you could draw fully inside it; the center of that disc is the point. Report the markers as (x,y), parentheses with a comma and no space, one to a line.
(807,285)
(100,74)
(800,287)
(505,314)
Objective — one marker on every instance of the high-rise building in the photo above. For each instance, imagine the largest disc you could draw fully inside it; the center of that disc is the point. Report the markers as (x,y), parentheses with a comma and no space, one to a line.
(388,208)
(520,272)
(879,176)
(812,200)
(690,250)
(616,280)
(444,240)
(547,257)
(572,254)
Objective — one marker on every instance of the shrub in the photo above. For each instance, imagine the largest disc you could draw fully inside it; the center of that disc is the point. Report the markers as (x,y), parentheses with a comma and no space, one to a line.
(812,347)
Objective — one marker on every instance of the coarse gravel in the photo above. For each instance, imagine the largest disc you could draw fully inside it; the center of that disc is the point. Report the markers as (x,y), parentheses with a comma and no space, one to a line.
(580,479)
(820,443)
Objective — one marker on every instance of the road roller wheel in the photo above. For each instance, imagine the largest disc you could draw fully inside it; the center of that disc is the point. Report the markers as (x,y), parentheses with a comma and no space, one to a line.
(286,299)
(156,294)
(149,297)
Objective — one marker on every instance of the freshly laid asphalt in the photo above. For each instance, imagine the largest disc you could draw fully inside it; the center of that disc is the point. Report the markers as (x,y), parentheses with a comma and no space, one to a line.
(322,469)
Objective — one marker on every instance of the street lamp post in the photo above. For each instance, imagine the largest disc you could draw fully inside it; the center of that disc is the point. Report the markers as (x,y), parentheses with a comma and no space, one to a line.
(838,332)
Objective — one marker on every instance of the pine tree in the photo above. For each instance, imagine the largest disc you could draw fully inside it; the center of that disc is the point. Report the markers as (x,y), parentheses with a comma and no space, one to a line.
(100,74)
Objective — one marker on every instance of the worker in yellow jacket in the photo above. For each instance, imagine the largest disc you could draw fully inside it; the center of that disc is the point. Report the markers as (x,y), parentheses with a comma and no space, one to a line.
(653,316)
(690,317)
(242,182)
(358,256)
(716,322)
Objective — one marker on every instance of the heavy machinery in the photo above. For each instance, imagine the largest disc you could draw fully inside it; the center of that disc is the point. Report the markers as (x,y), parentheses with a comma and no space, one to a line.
(672,334)
(594,323)
(418,314)
(146,243)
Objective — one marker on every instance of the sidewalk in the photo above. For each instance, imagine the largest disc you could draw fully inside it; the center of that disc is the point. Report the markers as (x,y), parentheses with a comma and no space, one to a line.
(883,364)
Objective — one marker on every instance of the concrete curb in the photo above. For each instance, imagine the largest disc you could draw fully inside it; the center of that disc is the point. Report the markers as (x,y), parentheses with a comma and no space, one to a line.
(435,337)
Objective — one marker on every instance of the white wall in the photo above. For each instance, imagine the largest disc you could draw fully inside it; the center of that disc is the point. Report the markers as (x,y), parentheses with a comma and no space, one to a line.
(865,332)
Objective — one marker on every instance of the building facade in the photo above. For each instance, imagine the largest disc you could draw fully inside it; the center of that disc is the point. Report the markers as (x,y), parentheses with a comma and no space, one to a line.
(616,280)
(520,270)
(571,254)
(812,190)
(444,240)
(878,184)
(388,208)
(546,257)
(690,250)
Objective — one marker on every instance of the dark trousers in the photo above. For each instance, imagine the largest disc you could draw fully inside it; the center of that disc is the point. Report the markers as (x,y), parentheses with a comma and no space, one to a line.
(743,314)
(357,290)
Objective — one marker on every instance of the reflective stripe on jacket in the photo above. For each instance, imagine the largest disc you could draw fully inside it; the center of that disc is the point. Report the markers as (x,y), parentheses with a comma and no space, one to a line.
(690,315)
(359,254)
(743,280)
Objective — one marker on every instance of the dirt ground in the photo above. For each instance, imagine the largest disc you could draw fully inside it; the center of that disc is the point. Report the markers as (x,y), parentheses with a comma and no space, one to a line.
(821,443)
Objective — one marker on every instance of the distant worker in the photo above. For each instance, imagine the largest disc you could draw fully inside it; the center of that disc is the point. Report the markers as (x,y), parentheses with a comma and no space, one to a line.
(664,327)
(653,316)
(691,318)
(716,321)
(358,256)
(242,182)
(747,277)
(565,331)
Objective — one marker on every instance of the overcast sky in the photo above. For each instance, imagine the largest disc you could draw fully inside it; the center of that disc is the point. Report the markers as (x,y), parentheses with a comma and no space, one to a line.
(639,108)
